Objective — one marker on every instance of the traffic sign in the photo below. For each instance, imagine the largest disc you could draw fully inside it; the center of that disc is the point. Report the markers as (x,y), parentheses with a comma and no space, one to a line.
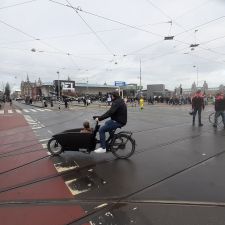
(120,83)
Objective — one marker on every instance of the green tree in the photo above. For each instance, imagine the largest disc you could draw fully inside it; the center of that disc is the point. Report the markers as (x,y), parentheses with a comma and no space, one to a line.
(7,90)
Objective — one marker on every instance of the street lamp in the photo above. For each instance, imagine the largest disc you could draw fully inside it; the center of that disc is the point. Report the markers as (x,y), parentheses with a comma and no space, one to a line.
(197,74)
(58,90)
(87,85)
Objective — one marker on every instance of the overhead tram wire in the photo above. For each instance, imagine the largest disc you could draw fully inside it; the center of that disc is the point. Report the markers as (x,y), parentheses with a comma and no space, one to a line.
(145,47)
(108,19)
(84,33)
(201,25)
(18,4)
(18,30)
(111,20)
(209,50)
(193,8)
(207,59)
(165,54)
(214,39)
(98,37)
(165,14)
(34,38)
(28,35)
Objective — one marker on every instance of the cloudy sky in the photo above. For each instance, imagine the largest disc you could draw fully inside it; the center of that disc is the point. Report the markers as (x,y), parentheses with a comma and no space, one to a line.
(105,40)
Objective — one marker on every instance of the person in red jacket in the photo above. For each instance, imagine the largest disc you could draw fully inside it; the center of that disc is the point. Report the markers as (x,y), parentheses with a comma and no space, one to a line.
(219,108)
(197,106)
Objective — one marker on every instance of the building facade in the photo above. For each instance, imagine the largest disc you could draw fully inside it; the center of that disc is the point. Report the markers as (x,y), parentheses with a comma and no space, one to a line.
(31,90)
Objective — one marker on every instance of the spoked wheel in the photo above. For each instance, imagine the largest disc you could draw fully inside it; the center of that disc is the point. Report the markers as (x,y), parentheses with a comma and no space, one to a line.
(123,146)
(54,147)
(212,119)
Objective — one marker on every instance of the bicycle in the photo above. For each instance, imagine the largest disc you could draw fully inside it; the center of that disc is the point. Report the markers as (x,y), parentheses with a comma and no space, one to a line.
(212,119)
(121,144)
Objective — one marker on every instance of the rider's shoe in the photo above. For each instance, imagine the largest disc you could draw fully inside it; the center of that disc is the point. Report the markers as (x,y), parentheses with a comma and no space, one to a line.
(100,150)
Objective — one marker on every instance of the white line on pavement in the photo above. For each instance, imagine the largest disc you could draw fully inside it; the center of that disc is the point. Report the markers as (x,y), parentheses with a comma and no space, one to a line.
(44,145)
(1,111)
(43,140)
(10,111)
(18,111)
(25,110)
(33,110)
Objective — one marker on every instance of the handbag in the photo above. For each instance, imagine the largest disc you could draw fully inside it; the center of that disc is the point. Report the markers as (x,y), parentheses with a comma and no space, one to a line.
(191,112)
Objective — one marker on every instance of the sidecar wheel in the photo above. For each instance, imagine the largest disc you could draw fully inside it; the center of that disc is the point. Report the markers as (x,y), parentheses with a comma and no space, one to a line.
(54,147)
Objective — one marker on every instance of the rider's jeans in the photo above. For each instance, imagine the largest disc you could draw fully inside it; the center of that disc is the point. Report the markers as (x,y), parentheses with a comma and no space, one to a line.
(107,127)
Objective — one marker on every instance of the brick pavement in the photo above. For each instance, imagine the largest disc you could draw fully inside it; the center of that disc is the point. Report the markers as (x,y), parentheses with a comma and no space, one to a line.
(23,165)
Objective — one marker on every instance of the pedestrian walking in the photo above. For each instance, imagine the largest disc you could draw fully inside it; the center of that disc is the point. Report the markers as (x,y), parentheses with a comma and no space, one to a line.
(141,103)
(109,99)
(219,109)
(66,103)
(197,107)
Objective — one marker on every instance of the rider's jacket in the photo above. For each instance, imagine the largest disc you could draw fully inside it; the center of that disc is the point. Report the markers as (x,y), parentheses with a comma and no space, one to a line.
(117,112)
(220,103)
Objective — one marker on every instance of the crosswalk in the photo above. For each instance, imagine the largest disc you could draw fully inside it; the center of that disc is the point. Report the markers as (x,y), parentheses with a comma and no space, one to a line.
(22,111)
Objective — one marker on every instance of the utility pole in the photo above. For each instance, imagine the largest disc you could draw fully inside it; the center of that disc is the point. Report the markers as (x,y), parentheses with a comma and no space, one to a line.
(140,75)
(197,74)
(87,86)
(59,90)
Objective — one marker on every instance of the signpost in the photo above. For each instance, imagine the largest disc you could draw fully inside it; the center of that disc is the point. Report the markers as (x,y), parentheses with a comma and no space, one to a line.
(120,84)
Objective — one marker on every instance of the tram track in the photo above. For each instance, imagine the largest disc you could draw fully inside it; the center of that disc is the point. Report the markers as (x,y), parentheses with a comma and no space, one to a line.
(65,173)
(116,202)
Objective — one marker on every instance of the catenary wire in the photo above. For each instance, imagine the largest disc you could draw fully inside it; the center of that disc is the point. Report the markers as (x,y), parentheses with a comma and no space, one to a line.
(201,25)
(18,4)
(134,27)
(108,19)
(96,35)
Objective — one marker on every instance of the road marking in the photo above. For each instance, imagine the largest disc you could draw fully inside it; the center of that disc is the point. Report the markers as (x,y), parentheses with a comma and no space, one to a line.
(66,166)
(43,140)
(28,118)
(44,145)
(33,110)
(25,110)
(70,184)
(18,111)
(10,111)
(48,110)
(1,111)
(42,110)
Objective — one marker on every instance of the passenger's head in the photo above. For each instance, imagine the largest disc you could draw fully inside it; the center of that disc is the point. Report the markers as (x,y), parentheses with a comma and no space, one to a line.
(86,124)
